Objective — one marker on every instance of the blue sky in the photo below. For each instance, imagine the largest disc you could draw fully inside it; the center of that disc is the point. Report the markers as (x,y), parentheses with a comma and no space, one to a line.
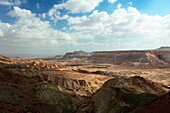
(52,27)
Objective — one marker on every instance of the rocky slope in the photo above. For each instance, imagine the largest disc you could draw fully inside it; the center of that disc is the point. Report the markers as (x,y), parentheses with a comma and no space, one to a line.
(4,59)
(123,94)
(34,92)
(158,105)
(27,89)
(39,86)
(27,64)
(139,59)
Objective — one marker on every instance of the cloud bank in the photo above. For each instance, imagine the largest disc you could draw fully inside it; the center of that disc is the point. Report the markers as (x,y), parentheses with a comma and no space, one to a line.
(123,28)
(12,2)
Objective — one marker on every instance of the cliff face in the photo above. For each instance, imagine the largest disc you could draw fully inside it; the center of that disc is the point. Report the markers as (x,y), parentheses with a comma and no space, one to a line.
(159,58)
(163,55)
(163,49)
(116,57)
(138,59)
(76,54)
(142,59)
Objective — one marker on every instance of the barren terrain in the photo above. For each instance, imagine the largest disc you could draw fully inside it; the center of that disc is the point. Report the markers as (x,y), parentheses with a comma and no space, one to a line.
(77,84)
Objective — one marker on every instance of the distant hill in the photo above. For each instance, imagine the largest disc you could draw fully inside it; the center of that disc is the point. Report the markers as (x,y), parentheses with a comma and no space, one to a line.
(163,49)
(76,55)
(158,58)
(53,57)
(139,59)
(23,56)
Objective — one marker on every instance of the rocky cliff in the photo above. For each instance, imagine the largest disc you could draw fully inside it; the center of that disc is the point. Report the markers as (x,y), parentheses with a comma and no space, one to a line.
(141,59)
(76,55)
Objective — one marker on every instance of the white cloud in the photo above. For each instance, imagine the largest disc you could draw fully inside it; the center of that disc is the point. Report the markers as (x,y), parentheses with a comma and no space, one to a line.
(21,13)
(73,6)
(29,31)
(4,28)
(77,6)
(54,15)
(119,5)
(30,26)
(130,3)
(112,1)
(128,25)
(12,2)
(38,5)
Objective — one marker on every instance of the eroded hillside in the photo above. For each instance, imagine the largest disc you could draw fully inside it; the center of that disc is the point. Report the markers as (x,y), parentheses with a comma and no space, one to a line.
(39,86)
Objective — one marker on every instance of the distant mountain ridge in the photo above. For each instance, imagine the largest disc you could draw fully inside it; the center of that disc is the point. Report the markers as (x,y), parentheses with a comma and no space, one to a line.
(76,55)
(167,48)
(23,56)
(158,58)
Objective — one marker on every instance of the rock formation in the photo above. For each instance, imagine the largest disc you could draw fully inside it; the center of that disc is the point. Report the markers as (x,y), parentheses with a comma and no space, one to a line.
(40,86)
(76,55)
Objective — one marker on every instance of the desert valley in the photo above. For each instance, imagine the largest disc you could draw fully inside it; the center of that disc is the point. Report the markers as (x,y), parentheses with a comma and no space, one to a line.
(83,82)
(84,56)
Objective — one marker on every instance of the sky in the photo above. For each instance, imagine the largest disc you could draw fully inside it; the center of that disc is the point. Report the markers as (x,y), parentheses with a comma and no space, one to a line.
(54,27)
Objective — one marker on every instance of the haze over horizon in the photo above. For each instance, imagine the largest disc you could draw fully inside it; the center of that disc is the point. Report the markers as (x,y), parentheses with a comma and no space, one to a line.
(43,27)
